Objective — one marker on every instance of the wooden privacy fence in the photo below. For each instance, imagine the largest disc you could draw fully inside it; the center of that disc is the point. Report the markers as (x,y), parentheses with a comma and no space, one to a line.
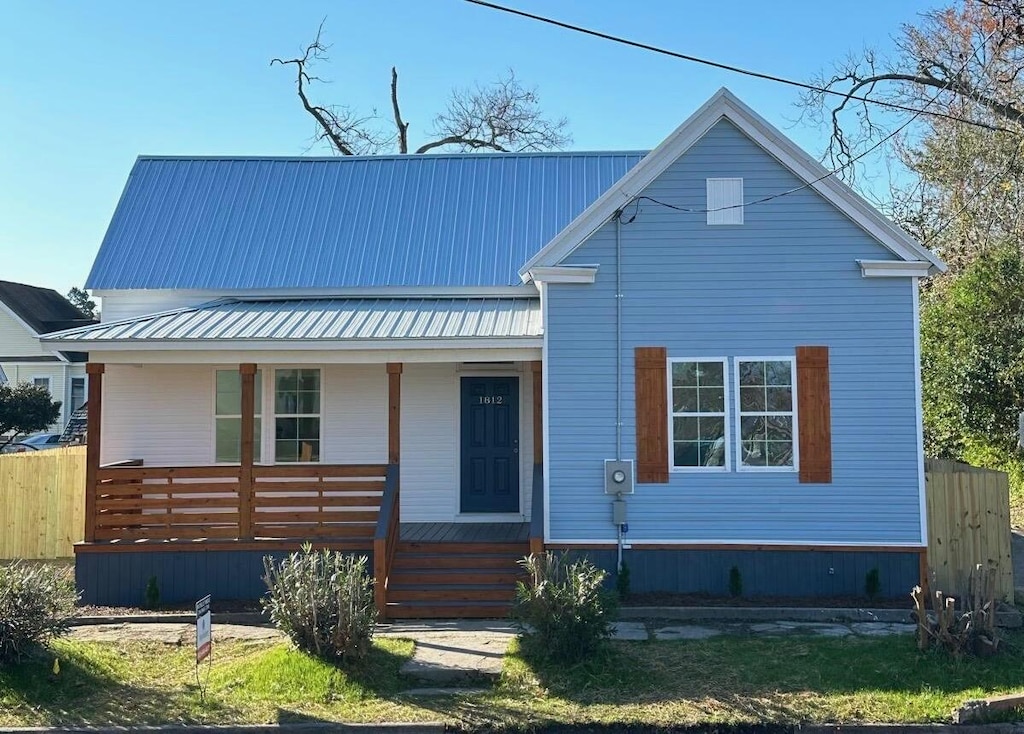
(968,524)
(42,503)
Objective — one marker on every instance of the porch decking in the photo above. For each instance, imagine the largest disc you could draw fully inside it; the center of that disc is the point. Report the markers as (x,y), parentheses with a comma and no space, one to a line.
(456,532)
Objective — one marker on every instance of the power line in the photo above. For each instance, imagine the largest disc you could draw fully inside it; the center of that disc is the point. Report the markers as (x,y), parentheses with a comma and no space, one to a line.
(731,68)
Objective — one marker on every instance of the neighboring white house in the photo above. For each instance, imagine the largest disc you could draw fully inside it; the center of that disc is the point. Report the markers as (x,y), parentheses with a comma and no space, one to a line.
(26,313)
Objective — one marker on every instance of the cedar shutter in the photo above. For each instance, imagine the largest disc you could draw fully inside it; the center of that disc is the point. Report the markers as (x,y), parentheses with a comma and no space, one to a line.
(814,414)
(651,364)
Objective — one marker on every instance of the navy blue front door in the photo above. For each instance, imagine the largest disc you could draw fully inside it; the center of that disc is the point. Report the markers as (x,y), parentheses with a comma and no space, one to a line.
(490,444)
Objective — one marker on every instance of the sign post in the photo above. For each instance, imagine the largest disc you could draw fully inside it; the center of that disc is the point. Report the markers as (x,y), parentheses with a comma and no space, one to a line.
(204,632)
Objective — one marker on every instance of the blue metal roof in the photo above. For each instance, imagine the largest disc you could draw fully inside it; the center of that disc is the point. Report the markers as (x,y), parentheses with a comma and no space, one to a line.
(345,222)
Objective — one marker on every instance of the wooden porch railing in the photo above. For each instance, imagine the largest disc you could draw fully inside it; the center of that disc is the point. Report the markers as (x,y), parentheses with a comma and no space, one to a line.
(537,511)
(385,539)
(133,502)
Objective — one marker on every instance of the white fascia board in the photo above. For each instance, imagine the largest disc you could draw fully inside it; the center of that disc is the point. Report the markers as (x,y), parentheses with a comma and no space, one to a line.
(894,269)
(724,104)
(564,274)
(299,345)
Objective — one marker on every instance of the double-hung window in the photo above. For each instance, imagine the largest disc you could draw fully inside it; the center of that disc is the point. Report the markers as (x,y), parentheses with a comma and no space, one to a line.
(228,417)
(765,415)
(699,419)
(297,415)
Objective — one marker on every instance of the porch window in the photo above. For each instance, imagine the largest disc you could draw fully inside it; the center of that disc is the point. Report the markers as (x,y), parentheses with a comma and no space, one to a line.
(297,415)
(698,415)
(228,409)
(77,393)
(766,414)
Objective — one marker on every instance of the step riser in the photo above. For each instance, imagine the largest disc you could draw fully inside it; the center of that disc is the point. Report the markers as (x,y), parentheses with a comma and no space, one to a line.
(467,596)
(455,562)
(427,612)
(454,577)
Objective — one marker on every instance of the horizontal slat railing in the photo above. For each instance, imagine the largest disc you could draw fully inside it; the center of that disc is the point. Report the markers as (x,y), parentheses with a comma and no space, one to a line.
(385,539)
(135,502)
(317,501)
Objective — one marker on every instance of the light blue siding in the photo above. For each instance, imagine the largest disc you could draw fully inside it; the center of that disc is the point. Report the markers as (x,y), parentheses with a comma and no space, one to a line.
(787,277)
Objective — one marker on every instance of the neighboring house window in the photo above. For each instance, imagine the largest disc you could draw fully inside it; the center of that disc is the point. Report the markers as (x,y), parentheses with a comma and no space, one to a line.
(42,382)
(297,415)
(228,409)
(77,393)
(699,414)
(725,201)
(766,415)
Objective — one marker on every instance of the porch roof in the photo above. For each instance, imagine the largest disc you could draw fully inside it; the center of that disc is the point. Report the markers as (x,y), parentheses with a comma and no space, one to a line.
(317,320)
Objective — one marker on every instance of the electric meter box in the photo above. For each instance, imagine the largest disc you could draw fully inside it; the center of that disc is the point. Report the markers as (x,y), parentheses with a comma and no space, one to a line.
(618,476)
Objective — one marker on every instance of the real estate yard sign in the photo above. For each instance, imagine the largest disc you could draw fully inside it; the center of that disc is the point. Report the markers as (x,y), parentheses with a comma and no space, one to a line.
(204,631)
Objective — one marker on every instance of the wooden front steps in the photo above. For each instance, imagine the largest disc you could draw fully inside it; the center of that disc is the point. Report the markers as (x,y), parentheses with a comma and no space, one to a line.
(453,580)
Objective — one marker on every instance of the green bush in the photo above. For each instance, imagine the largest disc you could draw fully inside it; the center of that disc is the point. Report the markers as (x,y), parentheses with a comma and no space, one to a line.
(323,600)
(563,610)
(37,602)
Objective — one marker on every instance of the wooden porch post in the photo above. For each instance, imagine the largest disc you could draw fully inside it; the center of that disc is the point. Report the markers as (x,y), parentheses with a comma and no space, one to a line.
(538,412)
(394,411)
(94,423)
(248,381)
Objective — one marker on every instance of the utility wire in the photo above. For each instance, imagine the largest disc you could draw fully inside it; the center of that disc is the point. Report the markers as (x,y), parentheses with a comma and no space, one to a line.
(734,69)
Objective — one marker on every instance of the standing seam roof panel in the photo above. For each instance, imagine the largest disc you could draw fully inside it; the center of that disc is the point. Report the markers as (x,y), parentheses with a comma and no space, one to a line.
(347,222)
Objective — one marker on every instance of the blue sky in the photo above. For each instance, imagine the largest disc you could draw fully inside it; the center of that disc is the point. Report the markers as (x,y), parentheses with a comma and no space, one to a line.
(86,87)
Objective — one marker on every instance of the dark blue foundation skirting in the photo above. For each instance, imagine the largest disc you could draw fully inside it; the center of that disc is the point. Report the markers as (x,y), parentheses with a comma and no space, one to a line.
(800,573)
(119,578)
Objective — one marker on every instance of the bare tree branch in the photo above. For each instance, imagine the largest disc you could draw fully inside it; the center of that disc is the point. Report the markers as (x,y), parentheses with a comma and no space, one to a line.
(402,127)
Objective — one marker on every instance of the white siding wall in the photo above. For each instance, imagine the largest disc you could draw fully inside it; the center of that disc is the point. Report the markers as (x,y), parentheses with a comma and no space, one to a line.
(16,340)
(117,305)
(163,414)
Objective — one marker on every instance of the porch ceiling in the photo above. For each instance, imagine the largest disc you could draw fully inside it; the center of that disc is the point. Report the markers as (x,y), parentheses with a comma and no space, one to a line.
(362,322)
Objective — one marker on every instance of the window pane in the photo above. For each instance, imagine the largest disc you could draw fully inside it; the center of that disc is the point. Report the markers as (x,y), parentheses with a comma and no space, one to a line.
(752,428)
(685,429)
(286,428)
(779,453)
(712,453)
(780,428)
(308,402)
(309,428)
(711,374)
(754,453)
(751,373)
(309,380)
(684,374)
(711,429)
(286,450)
(686,453)
(780,399)
(684,400)
(286,381)
(778,373)
(711,400)
(229,440)
(751,399)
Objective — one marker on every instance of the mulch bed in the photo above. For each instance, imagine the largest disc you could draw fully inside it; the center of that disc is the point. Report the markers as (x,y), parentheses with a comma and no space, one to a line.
(217,607)
(661,599)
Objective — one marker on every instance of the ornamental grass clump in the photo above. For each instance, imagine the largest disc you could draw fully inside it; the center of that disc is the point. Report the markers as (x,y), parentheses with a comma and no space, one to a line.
(323,600)
(37,603)
(563,610)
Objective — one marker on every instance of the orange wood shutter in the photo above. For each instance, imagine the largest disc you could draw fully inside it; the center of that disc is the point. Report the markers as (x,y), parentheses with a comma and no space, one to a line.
(651,365)
(814,414)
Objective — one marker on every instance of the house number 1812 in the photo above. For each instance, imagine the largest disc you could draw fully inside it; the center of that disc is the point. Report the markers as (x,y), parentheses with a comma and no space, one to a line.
(490,399)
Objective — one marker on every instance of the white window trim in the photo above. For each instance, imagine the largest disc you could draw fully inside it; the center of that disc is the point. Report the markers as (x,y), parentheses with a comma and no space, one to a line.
(213,425)
(275,415)
(49,382)
(673,469)
(740,467)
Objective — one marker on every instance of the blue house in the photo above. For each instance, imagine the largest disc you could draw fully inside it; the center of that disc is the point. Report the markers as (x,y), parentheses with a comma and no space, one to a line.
(689,360)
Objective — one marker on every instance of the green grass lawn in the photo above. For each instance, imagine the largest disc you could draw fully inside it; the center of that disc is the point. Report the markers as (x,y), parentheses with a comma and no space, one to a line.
(722,680)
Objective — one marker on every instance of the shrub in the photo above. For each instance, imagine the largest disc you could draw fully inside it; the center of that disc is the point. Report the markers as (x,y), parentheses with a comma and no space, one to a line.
(563,610)
(735,582)
(323,601)
(37,602)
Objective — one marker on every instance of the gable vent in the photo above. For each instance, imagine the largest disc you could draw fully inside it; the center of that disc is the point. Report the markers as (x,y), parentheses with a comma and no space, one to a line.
(722,193)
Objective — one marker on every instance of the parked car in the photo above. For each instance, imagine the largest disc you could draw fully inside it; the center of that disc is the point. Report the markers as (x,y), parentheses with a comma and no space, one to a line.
(36,442)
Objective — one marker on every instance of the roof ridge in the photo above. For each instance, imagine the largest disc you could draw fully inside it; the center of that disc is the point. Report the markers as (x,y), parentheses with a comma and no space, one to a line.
(390,156)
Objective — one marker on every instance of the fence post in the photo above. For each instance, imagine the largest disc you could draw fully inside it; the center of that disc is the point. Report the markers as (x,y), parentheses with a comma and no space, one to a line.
(93,431)
(248,382)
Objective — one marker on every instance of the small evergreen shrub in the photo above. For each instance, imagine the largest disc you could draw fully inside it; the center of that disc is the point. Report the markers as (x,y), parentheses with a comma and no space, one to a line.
(562,610)
(37,603)
(872,583)
(735,582)
(323,600)
(152,593)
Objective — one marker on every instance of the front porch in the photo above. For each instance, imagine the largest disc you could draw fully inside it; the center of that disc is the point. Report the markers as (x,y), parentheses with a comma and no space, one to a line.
(205,528)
